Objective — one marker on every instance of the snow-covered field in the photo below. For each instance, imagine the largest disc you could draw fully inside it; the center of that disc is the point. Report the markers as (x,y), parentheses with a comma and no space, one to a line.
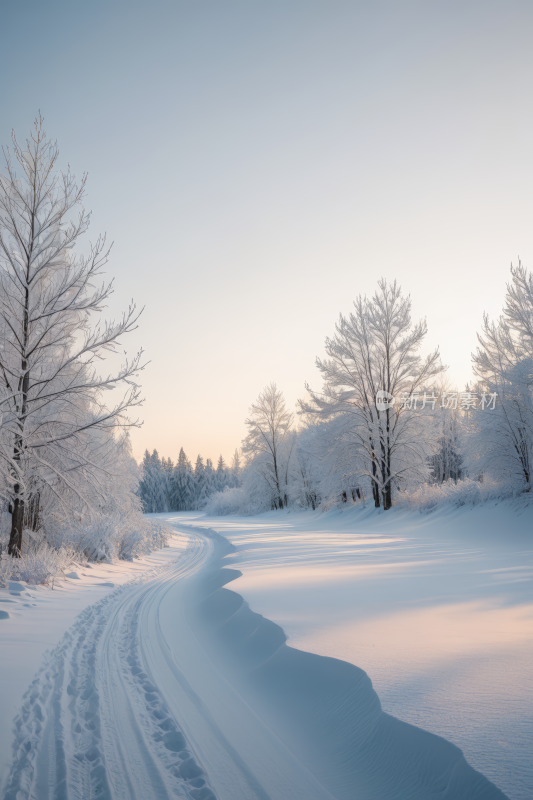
(167,685)
(436,608)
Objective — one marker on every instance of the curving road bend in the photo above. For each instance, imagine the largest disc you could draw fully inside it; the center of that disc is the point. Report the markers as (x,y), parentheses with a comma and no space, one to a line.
(128,706)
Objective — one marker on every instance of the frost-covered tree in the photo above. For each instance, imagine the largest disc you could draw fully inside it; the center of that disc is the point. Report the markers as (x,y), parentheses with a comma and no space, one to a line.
(306,470)
(236,468)
(375,349)
(518,309)
(154,484)
(502,438)
(339,473)
(200,483)
(268,443)
(447,458)
(113,527)
(51,391)
(210,477)
(221,475)
(168,487)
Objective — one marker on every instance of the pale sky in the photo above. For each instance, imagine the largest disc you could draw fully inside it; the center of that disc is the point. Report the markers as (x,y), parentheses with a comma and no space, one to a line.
(258,165)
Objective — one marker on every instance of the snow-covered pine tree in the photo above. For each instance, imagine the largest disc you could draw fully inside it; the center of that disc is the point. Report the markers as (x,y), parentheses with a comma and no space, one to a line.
(200,488)
(154,484)
(182,491)
(221,475)
(167,465)
(164,486)
(211,481)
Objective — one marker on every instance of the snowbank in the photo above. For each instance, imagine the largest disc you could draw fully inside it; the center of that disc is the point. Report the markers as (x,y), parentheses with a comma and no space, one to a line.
(429,497)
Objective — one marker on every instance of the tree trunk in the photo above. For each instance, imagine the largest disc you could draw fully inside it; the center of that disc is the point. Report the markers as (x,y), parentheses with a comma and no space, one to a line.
(32,516)
(17,515)
(375,487)
(389,464)
(17,524)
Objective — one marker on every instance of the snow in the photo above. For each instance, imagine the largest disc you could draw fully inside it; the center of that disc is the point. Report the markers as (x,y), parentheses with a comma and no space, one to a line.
(436,608)
(162,683)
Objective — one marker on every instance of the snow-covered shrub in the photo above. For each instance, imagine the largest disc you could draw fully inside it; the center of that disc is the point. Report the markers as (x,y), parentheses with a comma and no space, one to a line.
(429,497)
(229,501)
(149,535)
(109,537)
(6,567)
(106,524)
(39,561)
(335,501)
(102,539)
(98,538)
(157,534)
(42,563)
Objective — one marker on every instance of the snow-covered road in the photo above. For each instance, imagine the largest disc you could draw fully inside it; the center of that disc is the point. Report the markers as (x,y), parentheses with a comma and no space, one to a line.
(114,714)
(93,724)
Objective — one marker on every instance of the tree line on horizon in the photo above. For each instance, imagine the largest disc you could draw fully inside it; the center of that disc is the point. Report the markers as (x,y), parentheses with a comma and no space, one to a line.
(165,486)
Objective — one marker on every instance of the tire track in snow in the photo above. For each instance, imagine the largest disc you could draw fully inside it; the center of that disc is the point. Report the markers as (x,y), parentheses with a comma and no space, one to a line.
(93,724)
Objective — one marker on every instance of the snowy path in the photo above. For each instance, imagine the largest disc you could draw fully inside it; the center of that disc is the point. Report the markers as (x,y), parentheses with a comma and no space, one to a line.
(113,714)
(90,725)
